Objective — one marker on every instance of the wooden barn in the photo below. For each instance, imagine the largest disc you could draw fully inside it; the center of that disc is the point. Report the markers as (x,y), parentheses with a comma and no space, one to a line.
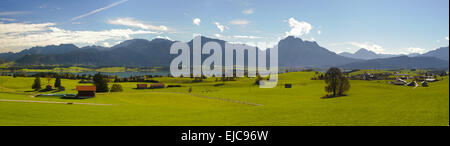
(86,91)
(141,86)
(153,86)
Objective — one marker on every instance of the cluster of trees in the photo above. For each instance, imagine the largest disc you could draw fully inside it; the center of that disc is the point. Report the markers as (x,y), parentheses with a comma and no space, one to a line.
(135,79)
(318,76)
(37,83)
(101,83)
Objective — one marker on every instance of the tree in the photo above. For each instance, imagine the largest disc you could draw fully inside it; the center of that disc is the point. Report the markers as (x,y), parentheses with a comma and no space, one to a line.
(344,86)
(58,82)
(37,84)
(336,82)
(116,88)
(100,83)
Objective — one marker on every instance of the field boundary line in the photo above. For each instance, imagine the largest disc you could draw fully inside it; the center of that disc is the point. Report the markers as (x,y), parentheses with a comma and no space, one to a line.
(216,98)
(54,102)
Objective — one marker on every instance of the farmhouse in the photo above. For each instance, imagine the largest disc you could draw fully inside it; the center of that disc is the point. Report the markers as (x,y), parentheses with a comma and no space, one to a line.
(86,91)
(399,82)
(141,86)
(430,80)
(424,84)
(413,83)
(153,86)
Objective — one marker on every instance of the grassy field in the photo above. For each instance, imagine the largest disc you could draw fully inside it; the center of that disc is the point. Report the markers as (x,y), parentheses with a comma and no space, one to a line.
(368,103)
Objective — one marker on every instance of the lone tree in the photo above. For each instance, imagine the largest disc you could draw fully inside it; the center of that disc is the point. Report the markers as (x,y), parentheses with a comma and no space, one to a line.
(100,83)
(336,82)
(58,82)
(37,84)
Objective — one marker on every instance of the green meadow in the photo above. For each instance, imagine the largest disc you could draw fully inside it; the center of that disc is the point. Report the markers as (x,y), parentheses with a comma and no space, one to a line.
(235,103)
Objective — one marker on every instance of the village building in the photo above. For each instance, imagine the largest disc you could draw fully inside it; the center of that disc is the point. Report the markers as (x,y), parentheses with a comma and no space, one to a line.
(86,91)
(141,86)
(430,80)
(424,84)
(399,82)
(153,86)
(413,83)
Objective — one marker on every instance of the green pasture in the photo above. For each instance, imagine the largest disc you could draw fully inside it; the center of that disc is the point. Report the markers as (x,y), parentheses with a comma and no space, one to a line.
(211,102)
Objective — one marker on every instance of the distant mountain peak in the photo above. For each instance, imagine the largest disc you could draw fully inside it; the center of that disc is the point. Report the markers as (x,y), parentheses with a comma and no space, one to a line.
(291,38)
(441,53)
(366,54)
(130,42)
(362,50)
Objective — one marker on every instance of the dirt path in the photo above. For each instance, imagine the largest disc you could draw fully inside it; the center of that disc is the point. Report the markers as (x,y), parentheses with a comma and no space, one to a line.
(54,102)
(216,98)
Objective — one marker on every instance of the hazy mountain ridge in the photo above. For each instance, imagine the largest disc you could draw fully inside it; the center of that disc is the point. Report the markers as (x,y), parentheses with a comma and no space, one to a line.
(401,62)
(368,55)
(293,52)
(441,53)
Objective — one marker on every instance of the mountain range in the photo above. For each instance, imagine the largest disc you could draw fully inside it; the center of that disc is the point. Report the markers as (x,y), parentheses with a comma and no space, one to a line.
(401,62)
(440,53)
(367,55)
(293,52)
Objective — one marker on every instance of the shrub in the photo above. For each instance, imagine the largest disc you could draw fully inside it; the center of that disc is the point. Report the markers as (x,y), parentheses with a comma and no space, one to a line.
(116,88)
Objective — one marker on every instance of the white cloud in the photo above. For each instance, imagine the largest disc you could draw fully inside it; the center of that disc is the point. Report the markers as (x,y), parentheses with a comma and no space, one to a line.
(446,38)
(43,6)
(246,37)
(13,13)
(414,50)
(380,50)
(241,22)
(319,32)
(16,28)
(106,44)
(219,26)
(164,37)
(22,35)
(247,11)
(196,21)
(98,10)
(7,19)
(298,28)
(137,24)
(218,35)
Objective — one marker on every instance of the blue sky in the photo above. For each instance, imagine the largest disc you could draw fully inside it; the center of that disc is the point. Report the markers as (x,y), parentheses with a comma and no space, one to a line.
(383,26)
